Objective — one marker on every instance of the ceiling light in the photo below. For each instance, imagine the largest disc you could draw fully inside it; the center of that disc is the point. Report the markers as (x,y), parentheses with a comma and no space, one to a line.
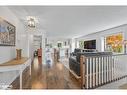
(31,21)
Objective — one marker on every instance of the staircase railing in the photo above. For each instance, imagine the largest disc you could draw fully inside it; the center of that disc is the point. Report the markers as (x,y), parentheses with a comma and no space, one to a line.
(98,70)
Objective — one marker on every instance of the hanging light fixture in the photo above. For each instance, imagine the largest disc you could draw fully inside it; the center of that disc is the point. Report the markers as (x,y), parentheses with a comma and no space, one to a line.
(31,22)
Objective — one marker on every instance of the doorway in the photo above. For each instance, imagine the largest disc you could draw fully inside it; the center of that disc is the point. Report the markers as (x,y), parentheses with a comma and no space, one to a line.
(37,40)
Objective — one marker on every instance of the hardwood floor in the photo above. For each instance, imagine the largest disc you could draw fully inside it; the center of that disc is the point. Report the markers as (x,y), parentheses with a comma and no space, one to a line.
(52,75)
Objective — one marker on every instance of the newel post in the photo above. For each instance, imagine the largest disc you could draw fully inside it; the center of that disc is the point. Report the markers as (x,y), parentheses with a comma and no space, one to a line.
(82,70)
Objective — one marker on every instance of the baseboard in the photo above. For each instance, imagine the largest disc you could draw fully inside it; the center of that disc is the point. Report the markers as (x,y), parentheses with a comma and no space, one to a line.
(75,75)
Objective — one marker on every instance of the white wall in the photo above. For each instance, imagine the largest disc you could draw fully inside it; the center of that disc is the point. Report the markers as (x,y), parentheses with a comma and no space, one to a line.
(30,46)
(73,44)
(8,52)
(24,40)
(98,35)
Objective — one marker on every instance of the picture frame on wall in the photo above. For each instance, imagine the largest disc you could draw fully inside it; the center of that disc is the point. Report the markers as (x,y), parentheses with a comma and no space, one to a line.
(81,44)
(59,45)
(7,33)
(115,43)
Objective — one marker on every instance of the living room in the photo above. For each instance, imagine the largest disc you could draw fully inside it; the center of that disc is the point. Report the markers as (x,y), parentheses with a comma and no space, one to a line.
(95,47)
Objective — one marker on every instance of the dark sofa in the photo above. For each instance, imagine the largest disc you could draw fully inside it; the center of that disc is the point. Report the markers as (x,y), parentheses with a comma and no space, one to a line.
(74,60)
(74,65)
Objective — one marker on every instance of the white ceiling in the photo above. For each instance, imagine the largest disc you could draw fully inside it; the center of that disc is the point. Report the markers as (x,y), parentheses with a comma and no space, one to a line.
(73,21)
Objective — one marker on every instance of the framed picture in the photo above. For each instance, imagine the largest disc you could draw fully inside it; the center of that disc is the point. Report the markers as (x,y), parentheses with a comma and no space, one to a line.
(81,44)
(7,33)
(114,44)
(59,45)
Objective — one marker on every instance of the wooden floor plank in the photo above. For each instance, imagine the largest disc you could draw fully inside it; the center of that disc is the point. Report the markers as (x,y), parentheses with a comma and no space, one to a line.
(48,76)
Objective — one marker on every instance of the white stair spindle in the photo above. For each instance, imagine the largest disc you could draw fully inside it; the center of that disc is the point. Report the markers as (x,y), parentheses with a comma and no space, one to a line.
(93,71)
(102,70)
(90,72)
(87,75)
(97,71)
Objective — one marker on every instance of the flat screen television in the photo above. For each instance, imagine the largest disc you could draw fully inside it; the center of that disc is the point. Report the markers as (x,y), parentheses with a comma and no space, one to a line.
(91,44)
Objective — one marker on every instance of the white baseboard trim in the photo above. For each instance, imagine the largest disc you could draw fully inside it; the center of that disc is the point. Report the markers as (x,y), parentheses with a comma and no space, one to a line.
(73,73)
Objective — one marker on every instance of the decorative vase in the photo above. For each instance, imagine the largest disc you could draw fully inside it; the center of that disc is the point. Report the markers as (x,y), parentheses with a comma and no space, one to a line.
(19,54)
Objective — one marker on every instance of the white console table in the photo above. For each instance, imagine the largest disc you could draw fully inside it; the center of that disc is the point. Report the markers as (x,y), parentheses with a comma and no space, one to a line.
(16,65)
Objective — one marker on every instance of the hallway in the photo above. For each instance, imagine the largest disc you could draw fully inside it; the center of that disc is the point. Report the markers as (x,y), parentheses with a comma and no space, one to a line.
(35,29)
(55,75)
(48,76)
